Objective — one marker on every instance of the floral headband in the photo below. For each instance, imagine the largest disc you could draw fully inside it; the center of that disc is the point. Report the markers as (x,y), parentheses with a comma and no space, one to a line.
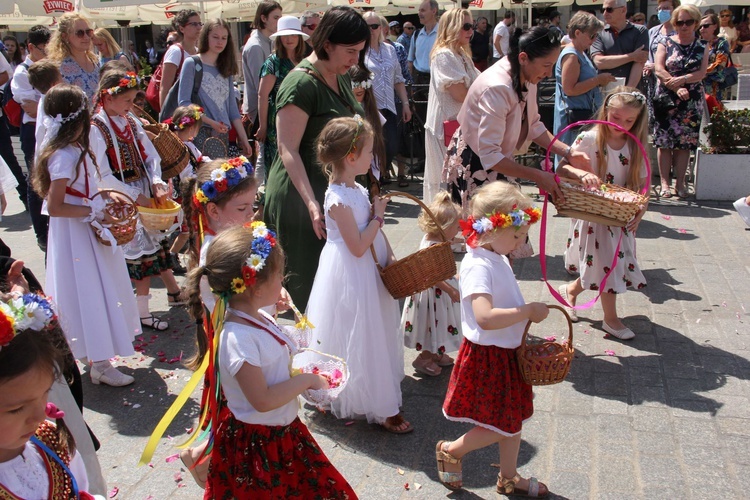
(353,146)
(187,120)
(263,242)
(227,176)
(128,82)
(637,95)
(25,312)
(366,84)
(472,227)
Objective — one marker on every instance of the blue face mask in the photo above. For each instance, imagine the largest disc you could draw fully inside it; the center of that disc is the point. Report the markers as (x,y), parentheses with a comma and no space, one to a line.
(664,15)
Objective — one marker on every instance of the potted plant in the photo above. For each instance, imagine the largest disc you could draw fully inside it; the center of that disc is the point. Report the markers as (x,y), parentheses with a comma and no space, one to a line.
(722,170)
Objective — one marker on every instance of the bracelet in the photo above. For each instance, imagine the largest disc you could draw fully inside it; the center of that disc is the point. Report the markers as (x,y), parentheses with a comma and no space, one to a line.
(379,219)
(567,152)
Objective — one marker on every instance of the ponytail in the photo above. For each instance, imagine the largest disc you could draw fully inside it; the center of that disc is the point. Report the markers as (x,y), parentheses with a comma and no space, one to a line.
(537,42)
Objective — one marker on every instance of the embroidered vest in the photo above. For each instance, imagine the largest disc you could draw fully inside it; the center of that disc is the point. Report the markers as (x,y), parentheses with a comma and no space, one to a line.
(131,167)
(60,485)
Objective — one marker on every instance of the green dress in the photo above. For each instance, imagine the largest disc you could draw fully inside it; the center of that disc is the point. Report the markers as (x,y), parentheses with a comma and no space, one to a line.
(284,210)
(279,68)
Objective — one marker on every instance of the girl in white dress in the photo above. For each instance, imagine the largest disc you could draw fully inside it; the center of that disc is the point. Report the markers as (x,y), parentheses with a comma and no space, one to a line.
(431,320)
(354,316)
(122,147)
(89,281)
(615,159)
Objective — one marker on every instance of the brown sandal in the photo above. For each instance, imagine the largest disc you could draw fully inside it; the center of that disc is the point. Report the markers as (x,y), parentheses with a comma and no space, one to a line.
(508,487)
(444,476)
(393,423)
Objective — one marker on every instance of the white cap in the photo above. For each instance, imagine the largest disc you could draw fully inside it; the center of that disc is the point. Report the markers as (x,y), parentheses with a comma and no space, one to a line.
(289,25)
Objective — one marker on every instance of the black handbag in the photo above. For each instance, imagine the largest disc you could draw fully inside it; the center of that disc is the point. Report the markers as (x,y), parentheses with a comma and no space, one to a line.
(730,78)
(664,103)
(578,115)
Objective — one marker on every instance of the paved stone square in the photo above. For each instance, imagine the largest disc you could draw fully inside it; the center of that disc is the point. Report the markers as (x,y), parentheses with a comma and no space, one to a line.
(662,416)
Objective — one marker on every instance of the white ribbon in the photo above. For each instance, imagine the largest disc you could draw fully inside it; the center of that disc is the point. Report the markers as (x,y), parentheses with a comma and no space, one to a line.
(105,234)
(52,125)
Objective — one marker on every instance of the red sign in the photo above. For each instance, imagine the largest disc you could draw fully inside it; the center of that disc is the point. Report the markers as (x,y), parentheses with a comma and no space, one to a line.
(51,6)
(477,3)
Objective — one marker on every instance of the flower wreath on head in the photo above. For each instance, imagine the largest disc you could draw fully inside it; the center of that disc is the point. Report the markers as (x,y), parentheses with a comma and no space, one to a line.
(24,312)
(365,84)
(263,242)
(227,176)
(128,82)
(187,120)
(472,227)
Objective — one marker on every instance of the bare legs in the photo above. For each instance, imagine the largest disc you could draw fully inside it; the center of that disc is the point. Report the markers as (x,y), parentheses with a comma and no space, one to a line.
(677,158)
(609,303)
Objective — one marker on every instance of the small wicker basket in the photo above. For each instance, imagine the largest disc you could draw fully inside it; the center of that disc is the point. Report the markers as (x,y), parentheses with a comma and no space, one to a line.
(545,363)
(328,366)
(421,270)
(125,216)
(161,219)
(593,206)
(173,152)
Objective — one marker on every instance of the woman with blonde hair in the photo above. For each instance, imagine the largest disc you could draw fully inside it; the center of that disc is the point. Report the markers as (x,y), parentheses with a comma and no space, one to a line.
(70,47)
(107,47)
(453,72)
(727,29)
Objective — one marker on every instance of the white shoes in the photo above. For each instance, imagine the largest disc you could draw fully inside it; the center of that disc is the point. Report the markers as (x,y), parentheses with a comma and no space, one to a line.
(111,376)
(563,290)
(624,334)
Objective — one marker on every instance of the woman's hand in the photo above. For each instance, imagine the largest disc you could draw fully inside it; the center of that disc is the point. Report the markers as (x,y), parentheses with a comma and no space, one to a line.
(547,182)
(683,93)
(318,222)
(674,83)
(605,78)
(648,68)
(260,135)
(406,112)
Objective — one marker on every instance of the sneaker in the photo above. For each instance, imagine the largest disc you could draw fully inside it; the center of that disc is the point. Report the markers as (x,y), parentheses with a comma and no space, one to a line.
(563,290)
(111,376)
(624,334)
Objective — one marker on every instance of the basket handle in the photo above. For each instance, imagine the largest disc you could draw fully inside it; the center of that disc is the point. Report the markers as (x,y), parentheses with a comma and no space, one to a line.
(570,326)
(104,191)
(424,207)
(141,113)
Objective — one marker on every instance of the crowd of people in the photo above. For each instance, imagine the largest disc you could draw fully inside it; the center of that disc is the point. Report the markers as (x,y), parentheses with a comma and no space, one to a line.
(291,223)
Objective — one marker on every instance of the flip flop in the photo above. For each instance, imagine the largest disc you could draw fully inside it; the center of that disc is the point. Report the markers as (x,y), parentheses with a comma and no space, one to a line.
(665,193)
(391,424)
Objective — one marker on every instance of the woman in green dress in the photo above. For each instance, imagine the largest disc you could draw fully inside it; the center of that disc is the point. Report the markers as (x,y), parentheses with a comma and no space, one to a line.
(311,95)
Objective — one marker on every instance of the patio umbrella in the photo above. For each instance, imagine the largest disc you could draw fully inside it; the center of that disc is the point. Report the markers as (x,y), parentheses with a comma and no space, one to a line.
(13,17)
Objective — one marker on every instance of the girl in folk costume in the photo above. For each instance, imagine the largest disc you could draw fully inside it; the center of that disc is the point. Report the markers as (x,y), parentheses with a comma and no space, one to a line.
(615,159)
(486,387)
(38,458)
(88,280)
(261,449)
(121,145)
(431,320)
(354,315)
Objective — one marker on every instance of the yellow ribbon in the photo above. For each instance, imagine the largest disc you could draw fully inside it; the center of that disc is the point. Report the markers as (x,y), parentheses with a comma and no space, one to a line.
(302,321)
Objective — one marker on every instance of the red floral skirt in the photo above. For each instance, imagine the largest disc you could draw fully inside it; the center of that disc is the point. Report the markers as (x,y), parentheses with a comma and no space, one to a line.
(265,462)
(486,389)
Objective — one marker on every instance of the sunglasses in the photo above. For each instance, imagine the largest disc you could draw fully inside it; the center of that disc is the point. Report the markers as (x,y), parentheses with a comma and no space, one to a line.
(609,10)
(82,33)
(706,26)
(467,27)
(311,27)
(409,28)
(553,36)
(725,15)
(688,22)
(374,26)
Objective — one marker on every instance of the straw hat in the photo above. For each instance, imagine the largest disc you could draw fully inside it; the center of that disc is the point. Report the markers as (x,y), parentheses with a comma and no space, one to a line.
(289,25)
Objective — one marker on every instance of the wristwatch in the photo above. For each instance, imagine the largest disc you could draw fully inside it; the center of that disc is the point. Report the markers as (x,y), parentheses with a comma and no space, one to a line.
(379,219)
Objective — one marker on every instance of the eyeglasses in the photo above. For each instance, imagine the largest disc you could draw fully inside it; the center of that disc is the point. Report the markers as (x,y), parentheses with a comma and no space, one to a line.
(82,33)
(553,36)
(311,27)
(374,26)
(687,22)
(609,10)
(196,24)
(706,26)
(467,27)
(639,20)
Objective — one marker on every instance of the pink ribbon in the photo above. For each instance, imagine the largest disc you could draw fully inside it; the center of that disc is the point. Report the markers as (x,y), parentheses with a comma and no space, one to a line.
(53,412)
(543,226)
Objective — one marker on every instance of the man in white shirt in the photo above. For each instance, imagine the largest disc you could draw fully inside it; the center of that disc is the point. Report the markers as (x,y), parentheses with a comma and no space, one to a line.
(501,37)
(28,97)
(6,146)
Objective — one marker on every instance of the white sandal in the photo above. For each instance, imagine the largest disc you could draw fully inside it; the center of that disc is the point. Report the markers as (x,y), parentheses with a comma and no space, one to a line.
(563,291)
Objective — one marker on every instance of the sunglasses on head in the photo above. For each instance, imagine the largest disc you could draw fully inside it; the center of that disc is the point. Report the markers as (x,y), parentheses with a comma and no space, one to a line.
(553,36)
(374,26)
(467,27)
(609,10)
(687,22)
(81,33)
(310,26)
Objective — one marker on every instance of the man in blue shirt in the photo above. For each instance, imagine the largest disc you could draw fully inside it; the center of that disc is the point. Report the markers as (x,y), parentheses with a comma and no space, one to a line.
(423,40)
(405,37)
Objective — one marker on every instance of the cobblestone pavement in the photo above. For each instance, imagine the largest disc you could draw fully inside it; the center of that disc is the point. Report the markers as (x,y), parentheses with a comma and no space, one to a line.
(662,416)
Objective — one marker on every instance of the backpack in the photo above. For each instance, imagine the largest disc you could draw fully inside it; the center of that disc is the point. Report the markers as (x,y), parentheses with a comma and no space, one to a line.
(13,111)
(172,101)
(154,85)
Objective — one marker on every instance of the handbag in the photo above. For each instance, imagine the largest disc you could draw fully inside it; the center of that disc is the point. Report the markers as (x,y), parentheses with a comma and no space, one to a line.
(730,78)
(578,114)
(449,128)
(172,101)
(154,85)
(664,103)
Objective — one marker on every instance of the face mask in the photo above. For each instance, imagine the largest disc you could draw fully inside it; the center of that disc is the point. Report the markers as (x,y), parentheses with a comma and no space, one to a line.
(664,15)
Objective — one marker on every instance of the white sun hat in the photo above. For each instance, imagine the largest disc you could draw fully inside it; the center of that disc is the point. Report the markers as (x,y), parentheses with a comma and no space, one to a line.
(289,25)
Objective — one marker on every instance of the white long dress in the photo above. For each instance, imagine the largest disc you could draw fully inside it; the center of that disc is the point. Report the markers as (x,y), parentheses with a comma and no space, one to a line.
(87,280)
(447,68)
(355,317)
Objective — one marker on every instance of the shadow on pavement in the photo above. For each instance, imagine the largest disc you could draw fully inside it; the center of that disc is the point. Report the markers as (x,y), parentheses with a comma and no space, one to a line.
(662,287)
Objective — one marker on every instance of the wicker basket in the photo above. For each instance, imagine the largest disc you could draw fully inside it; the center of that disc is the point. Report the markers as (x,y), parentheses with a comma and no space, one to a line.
(421,270)
(545,363)
(125,216)
(592,206)
(326,366)
(161,219)
(173,152)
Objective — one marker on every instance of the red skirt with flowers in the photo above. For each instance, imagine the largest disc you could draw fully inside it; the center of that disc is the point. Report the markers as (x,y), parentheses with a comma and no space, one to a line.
(265,462)
(486,389)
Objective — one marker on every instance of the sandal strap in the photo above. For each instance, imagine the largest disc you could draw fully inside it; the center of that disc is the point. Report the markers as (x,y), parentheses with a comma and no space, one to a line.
(447,457)
(450,477)
(533,487)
